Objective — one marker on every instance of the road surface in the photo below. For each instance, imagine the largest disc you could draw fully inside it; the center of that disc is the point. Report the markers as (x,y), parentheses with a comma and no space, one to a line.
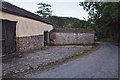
(102,63)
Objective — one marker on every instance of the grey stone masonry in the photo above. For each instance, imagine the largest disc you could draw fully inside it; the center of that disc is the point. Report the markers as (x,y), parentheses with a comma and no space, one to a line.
(71,38)
(62,36)
(29,43)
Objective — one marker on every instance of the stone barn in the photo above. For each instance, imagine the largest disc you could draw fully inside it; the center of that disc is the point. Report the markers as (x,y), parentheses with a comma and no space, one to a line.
(66,36)
(22,31)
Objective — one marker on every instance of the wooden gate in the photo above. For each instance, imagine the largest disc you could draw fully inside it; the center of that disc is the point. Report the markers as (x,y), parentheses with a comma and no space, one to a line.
(8,37)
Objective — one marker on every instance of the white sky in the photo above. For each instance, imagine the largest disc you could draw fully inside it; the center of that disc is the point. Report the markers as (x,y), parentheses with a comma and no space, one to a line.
(65,8)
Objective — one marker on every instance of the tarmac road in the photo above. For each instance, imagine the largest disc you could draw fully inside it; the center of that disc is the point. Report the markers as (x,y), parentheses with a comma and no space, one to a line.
(102,63)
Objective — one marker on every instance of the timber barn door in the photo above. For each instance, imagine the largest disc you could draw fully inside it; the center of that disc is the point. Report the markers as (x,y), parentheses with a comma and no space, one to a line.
(8,37)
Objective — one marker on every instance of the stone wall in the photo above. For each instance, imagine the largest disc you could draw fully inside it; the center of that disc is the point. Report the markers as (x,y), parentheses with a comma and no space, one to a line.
(60,38)
(29,43)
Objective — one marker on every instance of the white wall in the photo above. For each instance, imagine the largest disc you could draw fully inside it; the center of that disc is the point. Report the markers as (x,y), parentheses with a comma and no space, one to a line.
(26,26)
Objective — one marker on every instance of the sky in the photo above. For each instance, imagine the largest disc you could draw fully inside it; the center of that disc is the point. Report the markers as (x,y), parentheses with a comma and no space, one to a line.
(65,8)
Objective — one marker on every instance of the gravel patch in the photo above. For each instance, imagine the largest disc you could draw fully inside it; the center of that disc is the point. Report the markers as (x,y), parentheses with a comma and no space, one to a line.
(27,61)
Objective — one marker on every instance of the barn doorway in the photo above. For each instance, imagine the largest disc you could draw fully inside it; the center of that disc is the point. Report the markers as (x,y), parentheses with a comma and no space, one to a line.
(8,37)
(46,38)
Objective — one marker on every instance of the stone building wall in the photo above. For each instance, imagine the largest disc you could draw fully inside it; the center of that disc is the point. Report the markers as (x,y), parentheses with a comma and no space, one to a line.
(30,43)
(61,38)
(29,32)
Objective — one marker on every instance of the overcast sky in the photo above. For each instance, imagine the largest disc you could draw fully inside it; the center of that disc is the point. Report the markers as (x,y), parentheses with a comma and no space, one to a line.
(66,8)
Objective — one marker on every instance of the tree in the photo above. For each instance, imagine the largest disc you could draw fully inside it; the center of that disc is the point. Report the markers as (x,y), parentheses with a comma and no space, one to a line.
(104,17)
(44,10)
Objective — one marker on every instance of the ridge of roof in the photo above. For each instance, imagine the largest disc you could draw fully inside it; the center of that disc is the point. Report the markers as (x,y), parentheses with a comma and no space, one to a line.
(12,9)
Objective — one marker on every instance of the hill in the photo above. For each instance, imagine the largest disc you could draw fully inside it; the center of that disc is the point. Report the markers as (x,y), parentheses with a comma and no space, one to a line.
(68,22)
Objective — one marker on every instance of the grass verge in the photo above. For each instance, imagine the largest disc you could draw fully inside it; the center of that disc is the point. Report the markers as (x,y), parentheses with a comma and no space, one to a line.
(86,52)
